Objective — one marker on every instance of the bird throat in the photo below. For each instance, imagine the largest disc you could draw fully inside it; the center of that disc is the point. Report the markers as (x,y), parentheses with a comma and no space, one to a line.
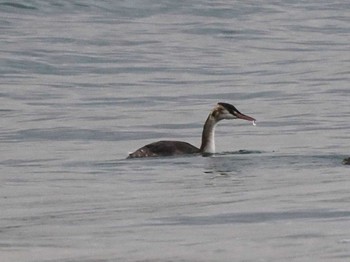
(208,136)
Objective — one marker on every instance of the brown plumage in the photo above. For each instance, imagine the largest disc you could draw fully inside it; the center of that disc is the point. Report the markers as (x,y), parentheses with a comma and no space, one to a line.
(165,148)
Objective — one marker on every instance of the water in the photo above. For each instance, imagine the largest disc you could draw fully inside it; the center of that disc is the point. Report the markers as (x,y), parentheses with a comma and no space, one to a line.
(85,82)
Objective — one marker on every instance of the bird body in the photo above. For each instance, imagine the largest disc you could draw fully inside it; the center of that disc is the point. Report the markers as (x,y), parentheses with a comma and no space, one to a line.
(165,148)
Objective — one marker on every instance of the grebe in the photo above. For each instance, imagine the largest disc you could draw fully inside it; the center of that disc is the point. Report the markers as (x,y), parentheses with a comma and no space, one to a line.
(171,148)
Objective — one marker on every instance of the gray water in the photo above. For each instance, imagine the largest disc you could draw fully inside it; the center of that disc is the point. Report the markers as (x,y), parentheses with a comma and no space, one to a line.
(83,83)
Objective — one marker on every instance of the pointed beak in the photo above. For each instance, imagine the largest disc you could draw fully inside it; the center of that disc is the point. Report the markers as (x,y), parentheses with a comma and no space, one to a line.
(244,117)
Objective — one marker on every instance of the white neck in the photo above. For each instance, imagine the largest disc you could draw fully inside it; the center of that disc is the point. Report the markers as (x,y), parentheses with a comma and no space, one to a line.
(208,136)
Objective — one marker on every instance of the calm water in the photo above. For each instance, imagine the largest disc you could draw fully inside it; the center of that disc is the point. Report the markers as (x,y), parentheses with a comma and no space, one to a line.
(85,82)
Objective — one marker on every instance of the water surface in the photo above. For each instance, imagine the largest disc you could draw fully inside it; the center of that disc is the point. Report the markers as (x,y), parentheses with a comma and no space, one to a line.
(83,83)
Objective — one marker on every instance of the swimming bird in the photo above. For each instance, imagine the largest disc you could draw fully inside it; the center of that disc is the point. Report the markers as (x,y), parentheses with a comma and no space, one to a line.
(172,148)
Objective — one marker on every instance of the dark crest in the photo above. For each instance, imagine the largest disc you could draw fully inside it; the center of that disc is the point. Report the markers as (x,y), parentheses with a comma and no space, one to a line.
(229,107)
